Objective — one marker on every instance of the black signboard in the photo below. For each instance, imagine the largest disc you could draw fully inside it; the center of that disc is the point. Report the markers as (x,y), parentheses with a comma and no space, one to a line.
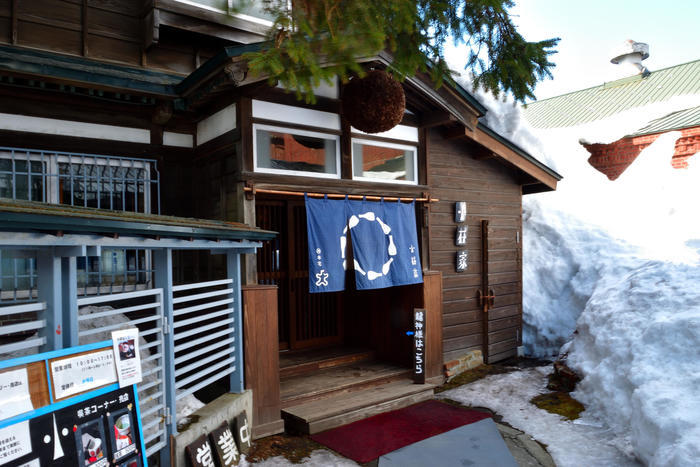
(199,453)
(419,346)
(224,444)
(241,431)
(97,431)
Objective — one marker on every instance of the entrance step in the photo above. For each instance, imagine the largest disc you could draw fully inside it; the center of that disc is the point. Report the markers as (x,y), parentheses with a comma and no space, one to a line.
(320,415)
(310,361)
(337,380)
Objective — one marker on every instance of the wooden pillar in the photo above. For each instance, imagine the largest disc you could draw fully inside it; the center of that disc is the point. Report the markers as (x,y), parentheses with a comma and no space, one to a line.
(262,373)
(432,302)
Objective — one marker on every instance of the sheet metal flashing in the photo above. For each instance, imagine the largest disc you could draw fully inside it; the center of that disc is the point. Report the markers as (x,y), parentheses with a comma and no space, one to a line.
(33,216)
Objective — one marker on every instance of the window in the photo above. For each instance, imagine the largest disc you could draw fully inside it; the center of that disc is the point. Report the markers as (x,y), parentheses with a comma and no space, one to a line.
(106,182)
(381,161)
(296,152)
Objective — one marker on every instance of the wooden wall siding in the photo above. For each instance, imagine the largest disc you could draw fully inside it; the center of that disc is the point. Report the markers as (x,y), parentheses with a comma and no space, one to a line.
(109,30)
(261,357)
(492,193)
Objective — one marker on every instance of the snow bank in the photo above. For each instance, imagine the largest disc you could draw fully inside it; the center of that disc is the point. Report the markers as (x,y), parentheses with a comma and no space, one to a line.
(638,347)
(619,263)
(635,304)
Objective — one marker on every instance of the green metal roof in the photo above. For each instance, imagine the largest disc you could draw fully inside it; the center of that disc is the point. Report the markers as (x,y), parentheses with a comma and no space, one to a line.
(611,98)
(687,118)
(34,216)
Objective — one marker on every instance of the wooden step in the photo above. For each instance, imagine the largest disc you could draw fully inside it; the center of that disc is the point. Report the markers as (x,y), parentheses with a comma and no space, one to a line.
(320,415)
(337,381)
(309,362)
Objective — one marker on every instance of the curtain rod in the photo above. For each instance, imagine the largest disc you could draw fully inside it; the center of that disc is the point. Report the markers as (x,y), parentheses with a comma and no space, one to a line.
(254,190)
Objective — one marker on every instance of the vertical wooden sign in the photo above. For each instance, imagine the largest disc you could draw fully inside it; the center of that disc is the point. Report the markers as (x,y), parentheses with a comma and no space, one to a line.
(419,345)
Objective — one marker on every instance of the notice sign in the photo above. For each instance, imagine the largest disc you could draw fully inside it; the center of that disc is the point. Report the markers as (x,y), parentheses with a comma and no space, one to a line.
(81,373)
(14,393)
(15,442)
(128,358)
(419,346)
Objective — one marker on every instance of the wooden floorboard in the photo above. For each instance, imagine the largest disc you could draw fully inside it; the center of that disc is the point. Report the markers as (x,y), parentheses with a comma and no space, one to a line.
(320,415)
(338,379)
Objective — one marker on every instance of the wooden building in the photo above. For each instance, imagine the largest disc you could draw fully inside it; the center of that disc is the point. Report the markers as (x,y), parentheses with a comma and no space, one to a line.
(161,86)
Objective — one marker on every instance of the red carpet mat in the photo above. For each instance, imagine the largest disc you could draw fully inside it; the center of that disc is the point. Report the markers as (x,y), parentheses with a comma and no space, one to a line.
(367,439)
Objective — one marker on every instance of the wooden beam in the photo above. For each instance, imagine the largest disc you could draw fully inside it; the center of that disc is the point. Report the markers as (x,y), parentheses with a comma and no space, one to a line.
(85,28)
(436,118)
(14,22)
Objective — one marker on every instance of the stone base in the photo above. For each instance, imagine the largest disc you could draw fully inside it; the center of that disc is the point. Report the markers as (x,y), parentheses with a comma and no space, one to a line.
(471,360)
(224,408)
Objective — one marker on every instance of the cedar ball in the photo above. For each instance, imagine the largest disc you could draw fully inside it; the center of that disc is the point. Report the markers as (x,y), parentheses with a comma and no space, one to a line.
(374,103)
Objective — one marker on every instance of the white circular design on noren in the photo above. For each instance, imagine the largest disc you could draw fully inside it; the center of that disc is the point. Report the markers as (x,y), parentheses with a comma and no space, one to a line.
(64,432)
(47,439)
(391,249)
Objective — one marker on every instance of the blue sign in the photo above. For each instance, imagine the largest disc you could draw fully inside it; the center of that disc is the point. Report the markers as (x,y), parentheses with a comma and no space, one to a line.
(98,428)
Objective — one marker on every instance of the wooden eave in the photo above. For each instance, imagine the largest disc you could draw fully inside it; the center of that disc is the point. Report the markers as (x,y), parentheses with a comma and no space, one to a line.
(539,177)
(78,71)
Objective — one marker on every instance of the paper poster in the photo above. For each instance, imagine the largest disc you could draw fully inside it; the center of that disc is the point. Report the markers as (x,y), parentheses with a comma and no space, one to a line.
(14,393)
(81,373)
(128,358)
(15,442)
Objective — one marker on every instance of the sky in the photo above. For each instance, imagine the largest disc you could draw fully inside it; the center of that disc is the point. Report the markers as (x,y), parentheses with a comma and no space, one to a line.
(590,30)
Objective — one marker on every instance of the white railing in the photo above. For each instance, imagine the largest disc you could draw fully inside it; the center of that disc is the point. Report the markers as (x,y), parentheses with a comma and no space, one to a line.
(203,333)
(98,316)
(19,329)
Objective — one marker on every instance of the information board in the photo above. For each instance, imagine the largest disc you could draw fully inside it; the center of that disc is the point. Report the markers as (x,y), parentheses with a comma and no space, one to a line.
(68,411)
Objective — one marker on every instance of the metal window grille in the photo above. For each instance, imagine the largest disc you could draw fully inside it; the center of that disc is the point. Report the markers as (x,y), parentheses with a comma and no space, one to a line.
(88,180)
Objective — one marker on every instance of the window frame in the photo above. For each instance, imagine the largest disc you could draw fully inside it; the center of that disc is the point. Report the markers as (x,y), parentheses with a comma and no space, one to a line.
(295,131)
(385,144)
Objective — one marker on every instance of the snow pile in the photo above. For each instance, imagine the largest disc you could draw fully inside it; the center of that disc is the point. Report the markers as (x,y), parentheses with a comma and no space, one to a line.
(569,443)
(638,346)
(635,304)
(563,260)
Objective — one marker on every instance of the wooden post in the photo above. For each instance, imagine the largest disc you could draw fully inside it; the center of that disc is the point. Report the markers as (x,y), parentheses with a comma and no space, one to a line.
(485,287)
(48,268)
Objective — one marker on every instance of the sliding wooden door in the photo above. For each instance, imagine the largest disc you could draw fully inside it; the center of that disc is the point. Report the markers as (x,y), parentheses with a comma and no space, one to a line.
(305,320)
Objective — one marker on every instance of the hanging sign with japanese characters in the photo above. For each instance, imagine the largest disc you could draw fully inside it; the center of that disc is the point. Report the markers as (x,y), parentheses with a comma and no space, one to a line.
(72,415)
(384,244)
(223,446)
(462,256)
(419,345)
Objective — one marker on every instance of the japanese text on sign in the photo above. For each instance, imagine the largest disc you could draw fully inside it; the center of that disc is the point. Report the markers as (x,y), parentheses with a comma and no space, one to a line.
(83,372)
